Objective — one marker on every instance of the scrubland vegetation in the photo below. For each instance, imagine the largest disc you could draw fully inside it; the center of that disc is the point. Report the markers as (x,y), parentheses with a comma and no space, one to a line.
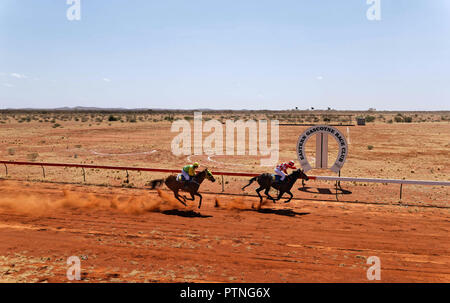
(97,117)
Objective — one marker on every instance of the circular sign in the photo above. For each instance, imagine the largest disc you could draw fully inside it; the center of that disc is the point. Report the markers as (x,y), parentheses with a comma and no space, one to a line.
(326,130)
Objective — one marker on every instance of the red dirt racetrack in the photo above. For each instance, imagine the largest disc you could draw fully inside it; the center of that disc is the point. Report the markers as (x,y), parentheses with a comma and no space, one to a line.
(125,234)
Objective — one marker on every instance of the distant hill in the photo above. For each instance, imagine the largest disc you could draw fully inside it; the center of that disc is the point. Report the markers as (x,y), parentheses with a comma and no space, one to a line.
(104,109)
(79,108)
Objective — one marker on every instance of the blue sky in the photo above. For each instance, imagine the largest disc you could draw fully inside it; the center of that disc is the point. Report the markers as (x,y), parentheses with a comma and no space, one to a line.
(226,54)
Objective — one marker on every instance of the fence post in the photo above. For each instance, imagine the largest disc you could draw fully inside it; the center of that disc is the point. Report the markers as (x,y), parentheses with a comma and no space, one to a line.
(401,188)
(223,185)
(6,167)
(43,170)
(338,183)
(84,174)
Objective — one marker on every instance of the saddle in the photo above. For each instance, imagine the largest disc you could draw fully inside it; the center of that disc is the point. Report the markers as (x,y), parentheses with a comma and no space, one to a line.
(181,178)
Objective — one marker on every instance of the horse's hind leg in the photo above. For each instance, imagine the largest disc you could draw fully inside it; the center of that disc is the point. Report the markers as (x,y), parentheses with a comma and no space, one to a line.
(192,198)
(177,196)
(290,198)
(267,194)
(259,195)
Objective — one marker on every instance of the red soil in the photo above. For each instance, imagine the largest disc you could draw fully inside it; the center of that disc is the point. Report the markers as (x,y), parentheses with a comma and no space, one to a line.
(136,235)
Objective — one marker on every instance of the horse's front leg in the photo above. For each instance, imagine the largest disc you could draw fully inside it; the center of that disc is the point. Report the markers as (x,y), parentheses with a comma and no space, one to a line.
(200,202)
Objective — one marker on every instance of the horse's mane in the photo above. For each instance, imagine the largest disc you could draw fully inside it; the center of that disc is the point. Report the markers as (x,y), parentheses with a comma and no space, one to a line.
(294,172)
(201,172)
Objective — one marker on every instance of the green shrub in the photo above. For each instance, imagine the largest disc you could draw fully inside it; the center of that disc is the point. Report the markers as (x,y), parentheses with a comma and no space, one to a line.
(32,156)
(370,118)
(398,119)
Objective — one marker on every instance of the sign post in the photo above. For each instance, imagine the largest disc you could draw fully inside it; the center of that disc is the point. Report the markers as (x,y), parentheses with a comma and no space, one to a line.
(322,132)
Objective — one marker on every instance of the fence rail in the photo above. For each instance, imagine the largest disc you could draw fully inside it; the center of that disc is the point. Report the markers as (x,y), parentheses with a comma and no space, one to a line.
(376,180)
(163,170)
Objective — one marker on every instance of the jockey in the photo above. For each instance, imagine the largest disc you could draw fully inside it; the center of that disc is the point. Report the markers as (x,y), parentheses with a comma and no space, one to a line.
(281,169)
(189,171)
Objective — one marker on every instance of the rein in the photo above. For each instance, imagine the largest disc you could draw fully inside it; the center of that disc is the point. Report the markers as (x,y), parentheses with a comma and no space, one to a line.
(194,180)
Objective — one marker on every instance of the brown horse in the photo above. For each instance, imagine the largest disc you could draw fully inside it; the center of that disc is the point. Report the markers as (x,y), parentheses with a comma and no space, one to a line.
(191,186)
(265,182)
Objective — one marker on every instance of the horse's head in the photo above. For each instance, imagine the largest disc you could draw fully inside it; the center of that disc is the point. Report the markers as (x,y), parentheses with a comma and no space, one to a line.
(300,174)
(209,175)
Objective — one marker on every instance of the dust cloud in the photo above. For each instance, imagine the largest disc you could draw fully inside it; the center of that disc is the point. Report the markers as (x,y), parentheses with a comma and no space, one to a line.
(238,203)
(40,204)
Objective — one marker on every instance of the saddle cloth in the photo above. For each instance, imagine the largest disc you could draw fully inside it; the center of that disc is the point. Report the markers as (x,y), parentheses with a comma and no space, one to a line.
(180,177)
(276,178)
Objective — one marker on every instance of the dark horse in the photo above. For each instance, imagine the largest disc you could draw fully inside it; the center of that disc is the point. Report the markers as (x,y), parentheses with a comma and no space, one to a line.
(265,181)
(191,186)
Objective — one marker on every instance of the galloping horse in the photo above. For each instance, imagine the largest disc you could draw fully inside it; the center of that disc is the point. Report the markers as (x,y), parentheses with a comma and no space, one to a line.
(265,181)
(191,186)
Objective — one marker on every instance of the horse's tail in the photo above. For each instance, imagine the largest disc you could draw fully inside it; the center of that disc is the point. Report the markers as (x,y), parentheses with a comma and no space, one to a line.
(250,182)
(156,183)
